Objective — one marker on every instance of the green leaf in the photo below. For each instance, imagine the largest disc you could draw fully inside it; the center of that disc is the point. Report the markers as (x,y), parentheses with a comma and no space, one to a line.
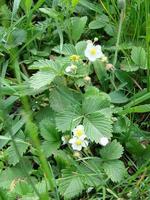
(100,71)
(26,5)
(51,136)
(118,97)
(8,175)
(77,27)
(92,6)
(13,158)
(41,79)
(138,56)
(70,185)
(68,49)
(115,170)
(97,125)
(112,151)
(15,7)
(44,65)
(100,22)
(62,98)
(68,119)
(95,102)
(80,47)
(137,109)
(50,12)
(15,128)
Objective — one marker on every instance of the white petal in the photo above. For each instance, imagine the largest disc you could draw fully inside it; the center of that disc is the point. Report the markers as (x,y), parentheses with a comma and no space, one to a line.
(76,147)
(68,69)
(99,53)
(92,58)
(72,140)
(85,143)
(81,127)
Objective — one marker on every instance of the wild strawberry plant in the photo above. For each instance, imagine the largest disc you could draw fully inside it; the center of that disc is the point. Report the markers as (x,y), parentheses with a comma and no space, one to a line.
(74,114)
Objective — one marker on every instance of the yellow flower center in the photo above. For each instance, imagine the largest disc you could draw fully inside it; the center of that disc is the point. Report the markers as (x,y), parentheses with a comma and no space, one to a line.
(78,142)
(74,58)
(79,133)
(93,51)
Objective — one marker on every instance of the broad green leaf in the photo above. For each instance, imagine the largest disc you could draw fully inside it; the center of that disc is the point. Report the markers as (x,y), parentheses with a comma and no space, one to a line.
(63,97)
(139,57)
(128,66)
(97,125)
(17,37)
(112,151)
(41,79)
(70,185)
(43,65)
(115,170)
(118,97)
(100,71)
(95,102)
(100,22)
(50,135)
(68,119)
(77,27)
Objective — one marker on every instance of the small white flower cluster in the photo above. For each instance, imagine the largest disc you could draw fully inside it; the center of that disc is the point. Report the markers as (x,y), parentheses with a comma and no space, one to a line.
(78,141)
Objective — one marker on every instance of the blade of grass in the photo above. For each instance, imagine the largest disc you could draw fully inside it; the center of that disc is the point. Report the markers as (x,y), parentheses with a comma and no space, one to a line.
(147,14)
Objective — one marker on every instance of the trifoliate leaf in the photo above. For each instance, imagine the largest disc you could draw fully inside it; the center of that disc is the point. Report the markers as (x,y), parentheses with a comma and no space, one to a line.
(115,170)
(70,185)
(97,125)
(51,136)
(112,151)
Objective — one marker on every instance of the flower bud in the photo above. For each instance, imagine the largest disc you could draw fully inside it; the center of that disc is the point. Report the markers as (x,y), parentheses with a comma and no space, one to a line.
(77,154)
(121,4)
(95,39)
(87,79)
(109,66)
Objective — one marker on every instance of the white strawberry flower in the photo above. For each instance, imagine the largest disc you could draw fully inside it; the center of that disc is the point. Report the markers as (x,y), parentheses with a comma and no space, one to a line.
(77,143)
(104,141)
(79,132)
(92,52)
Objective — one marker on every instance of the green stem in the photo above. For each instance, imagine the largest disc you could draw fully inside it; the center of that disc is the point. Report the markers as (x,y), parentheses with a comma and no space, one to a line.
(33,133)
(117,46)
(118,36)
